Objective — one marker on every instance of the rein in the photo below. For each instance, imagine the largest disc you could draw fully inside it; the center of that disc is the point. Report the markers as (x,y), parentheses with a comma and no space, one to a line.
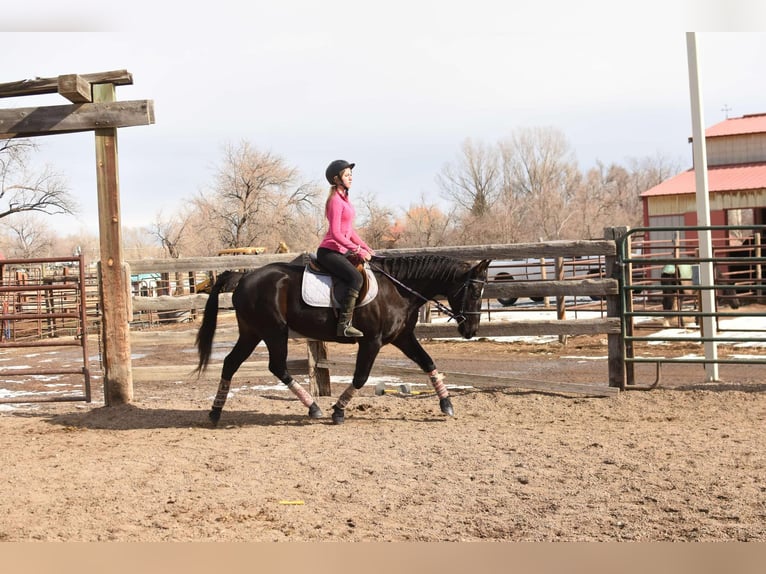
(458,317)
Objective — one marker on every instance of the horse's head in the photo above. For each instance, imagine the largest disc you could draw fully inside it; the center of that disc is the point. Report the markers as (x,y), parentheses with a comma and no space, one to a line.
(465,301)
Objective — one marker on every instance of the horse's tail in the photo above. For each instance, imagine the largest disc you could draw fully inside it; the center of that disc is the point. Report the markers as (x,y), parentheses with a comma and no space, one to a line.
(206,331)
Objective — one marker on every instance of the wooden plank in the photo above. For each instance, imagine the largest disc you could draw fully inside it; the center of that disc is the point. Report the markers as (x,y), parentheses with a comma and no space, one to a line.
(524,328)
(156,373)
(472,379)
(179,303)
(38,86)
(72,118)
(217,264)
(185,337)
(562,248)
(75,88)
(571,287)
(505,251)
(608,325)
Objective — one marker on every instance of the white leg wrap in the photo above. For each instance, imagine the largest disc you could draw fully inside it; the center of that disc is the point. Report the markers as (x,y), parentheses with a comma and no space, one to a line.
(437,381)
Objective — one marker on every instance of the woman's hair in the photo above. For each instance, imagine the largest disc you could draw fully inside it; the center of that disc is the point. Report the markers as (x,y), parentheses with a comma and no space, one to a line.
(329,197)
(333,188)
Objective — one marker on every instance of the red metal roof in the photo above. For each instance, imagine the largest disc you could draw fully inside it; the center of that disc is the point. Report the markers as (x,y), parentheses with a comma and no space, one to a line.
(738,177)
(748,124)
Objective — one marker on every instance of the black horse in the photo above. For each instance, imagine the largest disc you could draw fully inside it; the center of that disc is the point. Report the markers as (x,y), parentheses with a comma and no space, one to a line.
(680,278)
(268,304)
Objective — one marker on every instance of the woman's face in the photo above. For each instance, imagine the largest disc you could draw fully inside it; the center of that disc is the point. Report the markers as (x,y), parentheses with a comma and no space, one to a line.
(346,177)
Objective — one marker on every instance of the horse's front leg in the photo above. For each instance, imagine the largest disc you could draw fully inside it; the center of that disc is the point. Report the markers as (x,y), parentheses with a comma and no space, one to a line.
(408,344)
(365,357)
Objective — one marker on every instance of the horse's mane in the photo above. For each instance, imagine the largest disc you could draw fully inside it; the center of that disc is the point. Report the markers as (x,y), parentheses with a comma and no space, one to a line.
(439,267)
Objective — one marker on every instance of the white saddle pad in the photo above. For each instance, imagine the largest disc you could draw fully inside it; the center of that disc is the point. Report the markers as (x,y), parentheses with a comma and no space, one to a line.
(316,289)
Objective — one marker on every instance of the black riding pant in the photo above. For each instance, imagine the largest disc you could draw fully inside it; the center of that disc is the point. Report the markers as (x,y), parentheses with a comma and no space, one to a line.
(338,265)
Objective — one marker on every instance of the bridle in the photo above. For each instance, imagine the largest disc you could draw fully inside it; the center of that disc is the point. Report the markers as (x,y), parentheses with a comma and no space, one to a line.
(460,316)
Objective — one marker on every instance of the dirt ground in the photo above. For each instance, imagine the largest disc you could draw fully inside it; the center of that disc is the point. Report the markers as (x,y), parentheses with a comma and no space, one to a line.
(684,462)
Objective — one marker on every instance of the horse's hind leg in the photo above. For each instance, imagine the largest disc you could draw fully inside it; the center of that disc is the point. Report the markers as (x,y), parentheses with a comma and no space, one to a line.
(278,366)
(408,344)
(241,351)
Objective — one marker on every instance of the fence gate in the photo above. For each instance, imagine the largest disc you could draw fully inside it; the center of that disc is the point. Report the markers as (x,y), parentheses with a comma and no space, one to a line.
(660,294)
(44,310)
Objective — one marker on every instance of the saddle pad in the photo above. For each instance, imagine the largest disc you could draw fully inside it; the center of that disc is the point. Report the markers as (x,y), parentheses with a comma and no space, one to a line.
(316,289)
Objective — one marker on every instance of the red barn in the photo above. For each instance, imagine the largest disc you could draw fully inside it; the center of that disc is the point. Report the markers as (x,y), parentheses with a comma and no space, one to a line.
(736,157)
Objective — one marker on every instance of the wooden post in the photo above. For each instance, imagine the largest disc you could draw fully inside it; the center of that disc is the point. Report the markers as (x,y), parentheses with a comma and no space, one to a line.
(115,286)
(561,310)
(319,377)
(616,357)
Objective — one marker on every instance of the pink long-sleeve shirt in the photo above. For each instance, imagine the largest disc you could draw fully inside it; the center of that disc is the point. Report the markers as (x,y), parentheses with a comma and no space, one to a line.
(340,234)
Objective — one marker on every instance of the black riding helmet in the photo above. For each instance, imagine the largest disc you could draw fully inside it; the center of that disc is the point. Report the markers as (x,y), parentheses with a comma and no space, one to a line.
(335,168)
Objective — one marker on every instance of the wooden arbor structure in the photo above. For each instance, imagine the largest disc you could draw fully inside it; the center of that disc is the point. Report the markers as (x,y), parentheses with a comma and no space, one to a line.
(93,107)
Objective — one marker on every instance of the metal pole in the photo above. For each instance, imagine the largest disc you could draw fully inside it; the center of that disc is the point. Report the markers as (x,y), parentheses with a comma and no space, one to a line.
(703,208)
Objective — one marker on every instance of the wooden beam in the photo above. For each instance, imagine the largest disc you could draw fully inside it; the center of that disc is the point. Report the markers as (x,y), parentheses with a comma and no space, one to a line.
(584,248)
(221,263)
(477,380)
(558,248)
(40,86)
(75,88)
(259,368)
(50,120)
(596,287)
(523,328)
(115,282)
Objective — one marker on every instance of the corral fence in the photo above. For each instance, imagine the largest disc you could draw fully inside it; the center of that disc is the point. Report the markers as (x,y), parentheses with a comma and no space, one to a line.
(662,265)
(622,280)
(603,288)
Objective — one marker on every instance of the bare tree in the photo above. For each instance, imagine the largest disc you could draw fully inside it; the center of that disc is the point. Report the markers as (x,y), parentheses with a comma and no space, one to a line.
(170,232)
(255,197)
(138,243)
(74,244)
(540,177)
(375,221)
(23,189)
(28,236)
(473,181)
(426,225)
(602,200)
(646,172)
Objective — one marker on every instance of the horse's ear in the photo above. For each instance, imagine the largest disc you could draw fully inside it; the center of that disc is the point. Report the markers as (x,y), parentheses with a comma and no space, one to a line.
(482,266)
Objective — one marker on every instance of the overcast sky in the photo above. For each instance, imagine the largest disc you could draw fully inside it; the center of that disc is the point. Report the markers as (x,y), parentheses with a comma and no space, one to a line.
(395,87)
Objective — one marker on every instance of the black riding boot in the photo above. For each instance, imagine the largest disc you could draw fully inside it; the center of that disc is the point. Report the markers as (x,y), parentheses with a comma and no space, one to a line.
(345,328)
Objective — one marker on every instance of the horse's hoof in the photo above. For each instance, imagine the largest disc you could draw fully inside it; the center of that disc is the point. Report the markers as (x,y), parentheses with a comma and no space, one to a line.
(338,415)
(446,406)
(315,412)
(214,415)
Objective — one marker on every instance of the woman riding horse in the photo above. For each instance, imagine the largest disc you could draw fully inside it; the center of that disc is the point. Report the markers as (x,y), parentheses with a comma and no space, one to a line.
(341,243)
(269,305)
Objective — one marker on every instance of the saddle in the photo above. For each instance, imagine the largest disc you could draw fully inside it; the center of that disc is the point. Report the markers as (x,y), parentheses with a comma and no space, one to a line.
(320,288)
